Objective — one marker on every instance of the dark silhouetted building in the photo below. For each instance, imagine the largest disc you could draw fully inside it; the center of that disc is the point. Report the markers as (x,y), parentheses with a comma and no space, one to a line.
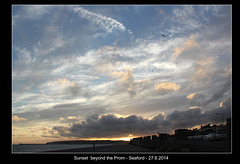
(181,134)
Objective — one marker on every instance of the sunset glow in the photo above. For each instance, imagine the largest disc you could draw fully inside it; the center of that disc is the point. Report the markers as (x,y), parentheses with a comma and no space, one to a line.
(115,72)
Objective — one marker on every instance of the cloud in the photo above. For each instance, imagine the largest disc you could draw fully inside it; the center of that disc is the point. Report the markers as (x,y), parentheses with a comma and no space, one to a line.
(24,56)
(185,118)
(51,40)
(195,107)
(196,99)
(110,125)
(107,23)
(106,59)
(211,94)
(56,112)
(75,90)
(126,82)
(202,69)
(63,82)
(191,96)
(166,86)
(16,118)
(114,125)
(226,103)
(45,130)
(50,44)
(227,72)
(123,75)
(185,19)
(68,86)
(71,117)
(32,12)
(225,108)
(183,13)
(220,91)
(188,45)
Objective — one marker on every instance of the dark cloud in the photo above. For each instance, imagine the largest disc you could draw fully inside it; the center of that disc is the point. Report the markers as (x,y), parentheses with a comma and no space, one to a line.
(187,118)
(220,91)
(110,125)
(213,93)
(224,110)
(59,111)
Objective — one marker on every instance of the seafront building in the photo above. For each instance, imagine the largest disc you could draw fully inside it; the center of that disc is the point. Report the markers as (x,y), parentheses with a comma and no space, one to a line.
(207,138)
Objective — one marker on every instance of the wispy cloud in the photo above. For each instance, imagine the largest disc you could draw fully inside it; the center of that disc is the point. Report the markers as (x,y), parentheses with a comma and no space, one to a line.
(107,23)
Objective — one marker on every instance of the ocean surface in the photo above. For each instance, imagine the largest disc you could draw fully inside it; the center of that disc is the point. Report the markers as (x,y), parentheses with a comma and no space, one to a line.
(49,147)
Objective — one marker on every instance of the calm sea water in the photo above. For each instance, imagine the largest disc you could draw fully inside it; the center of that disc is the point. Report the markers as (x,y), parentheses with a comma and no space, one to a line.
(50,147)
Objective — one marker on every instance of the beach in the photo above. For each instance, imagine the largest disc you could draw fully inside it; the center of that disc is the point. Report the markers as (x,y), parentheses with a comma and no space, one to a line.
(118,147)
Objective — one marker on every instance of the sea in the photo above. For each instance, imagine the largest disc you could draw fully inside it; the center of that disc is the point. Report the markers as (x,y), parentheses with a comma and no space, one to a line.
(34,148)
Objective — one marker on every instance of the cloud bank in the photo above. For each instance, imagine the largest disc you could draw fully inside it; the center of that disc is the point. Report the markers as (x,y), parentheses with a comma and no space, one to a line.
(112,125)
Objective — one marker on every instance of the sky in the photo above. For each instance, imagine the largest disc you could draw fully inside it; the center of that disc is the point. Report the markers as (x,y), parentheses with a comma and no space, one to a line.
(118,71)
